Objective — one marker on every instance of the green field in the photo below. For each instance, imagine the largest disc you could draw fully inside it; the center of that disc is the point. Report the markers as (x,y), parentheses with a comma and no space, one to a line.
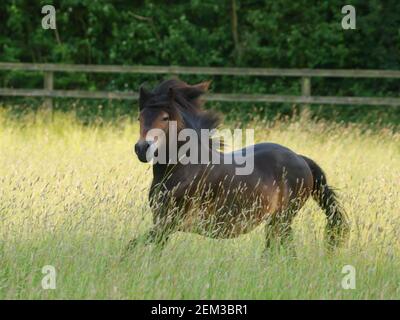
(71,196)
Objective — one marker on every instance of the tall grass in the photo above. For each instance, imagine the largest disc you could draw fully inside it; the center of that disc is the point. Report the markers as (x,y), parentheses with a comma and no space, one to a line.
(72,196)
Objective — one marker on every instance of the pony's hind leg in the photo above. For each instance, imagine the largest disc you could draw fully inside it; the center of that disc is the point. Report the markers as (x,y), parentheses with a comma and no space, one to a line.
(279,233)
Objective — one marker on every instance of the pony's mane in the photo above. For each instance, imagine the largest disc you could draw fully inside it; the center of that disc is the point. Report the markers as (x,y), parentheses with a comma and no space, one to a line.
(186,100)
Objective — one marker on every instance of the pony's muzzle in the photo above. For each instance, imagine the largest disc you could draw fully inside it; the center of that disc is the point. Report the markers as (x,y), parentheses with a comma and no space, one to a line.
(141,150)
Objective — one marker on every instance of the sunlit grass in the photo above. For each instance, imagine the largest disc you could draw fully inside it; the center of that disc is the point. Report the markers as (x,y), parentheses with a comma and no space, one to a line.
(72,196)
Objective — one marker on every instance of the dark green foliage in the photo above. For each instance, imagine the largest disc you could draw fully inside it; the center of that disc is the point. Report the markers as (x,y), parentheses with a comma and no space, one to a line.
(278,34)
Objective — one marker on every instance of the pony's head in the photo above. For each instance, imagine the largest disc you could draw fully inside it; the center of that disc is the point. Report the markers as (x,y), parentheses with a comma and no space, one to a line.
(172,102)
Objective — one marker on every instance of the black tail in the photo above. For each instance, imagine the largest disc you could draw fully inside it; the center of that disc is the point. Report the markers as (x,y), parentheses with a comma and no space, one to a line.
(337,227)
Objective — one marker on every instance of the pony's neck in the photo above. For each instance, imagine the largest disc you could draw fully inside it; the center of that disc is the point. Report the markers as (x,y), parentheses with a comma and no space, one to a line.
(163,170)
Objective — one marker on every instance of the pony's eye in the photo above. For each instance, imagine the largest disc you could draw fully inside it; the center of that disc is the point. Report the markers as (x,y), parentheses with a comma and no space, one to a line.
(166,118)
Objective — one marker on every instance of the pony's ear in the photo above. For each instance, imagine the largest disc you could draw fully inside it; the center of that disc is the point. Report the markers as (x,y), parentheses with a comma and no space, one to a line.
(144,95)
(193,92)
(203,86)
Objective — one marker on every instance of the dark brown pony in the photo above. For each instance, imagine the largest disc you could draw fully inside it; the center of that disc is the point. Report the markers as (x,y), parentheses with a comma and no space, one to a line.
(210,199)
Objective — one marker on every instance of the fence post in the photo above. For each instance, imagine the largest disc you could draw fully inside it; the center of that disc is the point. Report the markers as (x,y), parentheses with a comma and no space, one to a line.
(306,86)
(306,89)
(48,85)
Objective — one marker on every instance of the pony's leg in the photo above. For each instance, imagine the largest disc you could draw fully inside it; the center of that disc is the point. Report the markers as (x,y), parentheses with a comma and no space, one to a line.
(159,233)
(156,235)
(153,236)
(279,233)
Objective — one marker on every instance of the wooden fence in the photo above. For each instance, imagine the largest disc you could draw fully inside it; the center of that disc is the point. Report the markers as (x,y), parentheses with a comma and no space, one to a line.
(305,76)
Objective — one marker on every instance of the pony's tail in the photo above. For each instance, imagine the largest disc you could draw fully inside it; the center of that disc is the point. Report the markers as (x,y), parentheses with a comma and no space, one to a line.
(337,228)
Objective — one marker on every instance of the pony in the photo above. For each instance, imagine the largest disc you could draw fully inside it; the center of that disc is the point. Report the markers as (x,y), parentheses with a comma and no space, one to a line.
(211,199)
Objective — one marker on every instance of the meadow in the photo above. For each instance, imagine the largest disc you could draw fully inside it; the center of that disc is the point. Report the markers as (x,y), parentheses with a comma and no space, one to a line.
(73,195)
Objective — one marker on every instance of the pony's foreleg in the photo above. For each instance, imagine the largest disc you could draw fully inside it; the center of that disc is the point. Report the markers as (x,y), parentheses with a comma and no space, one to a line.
(153,236)
(156,235)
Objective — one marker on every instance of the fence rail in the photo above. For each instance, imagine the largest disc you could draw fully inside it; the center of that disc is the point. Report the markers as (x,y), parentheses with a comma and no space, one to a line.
(305,76)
